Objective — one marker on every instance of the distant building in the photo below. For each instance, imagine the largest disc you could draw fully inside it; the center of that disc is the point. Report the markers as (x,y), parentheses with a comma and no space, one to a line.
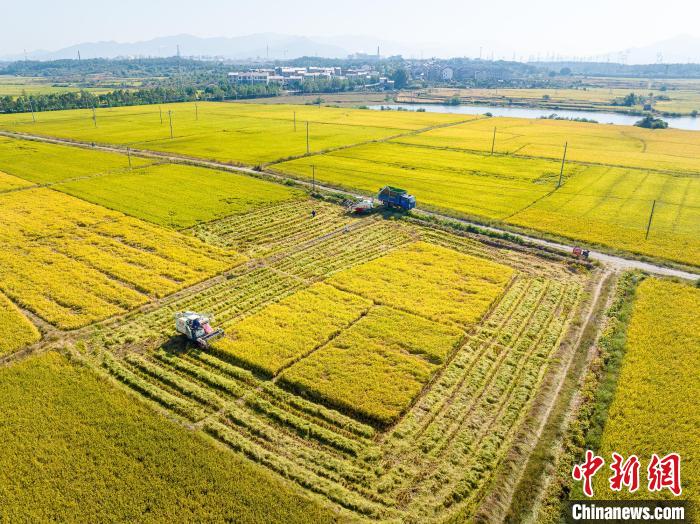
(447,74)
(250,77)
(292,76)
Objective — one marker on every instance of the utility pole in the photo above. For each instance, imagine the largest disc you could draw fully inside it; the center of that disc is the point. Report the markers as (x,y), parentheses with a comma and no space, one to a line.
(196,111)
(128,153)
(307,138)
(31,107)
(160,109)
(651,215)
(563,159)
(94,116)
(170,117)
(493,142)
(313,179)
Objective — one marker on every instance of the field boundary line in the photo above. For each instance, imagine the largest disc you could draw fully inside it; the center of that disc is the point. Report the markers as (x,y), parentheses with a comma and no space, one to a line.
(411,132)
(324,343)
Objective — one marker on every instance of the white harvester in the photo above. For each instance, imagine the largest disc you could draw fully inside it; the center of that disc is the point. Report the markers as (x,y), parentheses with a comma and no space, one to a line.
(197,327)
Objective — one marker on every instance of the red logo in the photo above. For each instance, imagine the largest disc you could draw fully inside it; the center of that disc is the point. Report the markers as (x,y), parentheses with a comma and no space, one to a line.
(586,471)
(665,473)
(624,473)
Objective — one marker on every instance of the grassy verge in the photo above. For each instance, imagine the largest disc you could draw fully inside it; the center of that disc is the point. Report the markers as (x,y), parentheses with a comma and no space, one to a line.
(594,398)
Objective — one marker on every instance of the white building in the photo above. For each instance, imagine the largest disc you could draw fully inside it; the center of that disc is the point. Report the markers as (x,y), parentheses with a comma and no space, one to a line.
(447,74)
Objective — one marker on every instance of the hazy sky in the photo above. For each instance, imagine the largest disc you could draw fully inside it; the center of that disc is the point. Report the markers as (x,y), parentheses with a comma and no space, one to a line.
(526,27)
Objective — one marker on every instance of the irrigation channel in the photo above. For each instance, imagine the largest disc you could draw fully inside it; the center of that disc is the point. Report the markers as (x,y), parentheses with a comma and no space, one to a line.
(682,122)
(613,261)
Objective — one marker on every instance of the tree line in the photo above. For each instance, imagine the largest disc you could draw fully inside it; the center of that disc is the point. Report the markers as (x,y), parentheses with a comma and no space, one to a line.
(130,97)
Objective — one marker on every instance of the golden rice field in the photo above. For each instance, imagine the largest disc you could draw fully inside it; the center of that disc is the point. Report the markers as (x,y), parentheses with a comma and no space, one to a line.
(89,263)
(411,348)
(672,150)
(653,410)
(48,163)
(372,369)
(292,328)
(235,133)
(612,177)
(194,194)
(436,283)
(9,182)
(78,448)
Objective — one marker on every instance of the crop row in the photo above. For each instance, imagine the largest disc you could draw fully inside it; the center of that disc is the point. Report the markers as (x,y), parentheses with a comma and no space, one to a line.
(464,422)
(477,402)
(310,449)
(345,250)
(520,260)
(274,228)
(237,295)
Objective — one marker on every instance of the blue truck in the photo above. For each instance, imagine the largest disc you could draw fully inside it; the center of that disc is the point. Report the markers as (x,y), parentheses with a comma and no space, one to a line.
(396,198)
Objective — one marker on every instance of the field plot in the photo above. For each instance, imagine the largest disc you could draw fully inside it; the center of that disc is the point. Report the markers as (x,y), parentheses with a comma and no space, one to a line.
(78,449)
(88,263)
(15,86)
(16,331)
(287,331)
(656,387)
(453,380)
(612,207)
(49,163)
(237,133)
(377,367)
(431,281)
(627,146)
(465,183)
(178,195)
(275,227)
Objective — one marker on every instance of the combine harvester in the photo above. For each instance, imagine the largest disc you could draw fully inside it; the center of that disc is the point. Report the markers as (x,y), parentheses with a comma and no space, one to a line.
(196,328)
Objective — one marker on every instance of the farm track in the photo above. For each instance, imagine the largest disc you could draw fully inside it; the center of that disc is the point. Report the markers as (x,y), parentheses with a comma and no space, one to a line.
(614,261)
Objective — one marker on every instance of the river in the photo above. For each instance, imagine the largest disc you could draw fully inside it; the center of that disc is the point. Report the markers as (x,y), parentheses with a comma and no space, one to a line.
(620,119)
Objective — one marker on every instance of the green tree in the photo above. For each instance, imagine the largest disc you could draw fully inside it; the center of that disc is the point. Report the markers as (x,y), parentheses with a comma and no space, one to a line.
(649,122)
(400,78)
